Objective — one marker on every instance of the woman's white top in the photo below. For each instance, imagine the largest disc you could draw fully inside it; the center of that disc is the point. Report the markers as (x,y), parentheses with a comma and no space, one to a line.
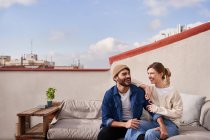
(167,102)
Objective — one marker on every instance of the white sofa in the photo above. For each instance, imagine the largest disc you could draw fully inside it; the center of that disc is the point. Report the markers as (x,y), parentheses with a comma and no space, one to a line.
(81,120)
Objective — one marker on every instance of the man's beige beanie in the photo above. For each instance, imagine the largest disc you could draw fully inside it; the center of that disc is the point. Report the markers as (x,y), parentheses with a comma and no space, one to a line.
(118,68)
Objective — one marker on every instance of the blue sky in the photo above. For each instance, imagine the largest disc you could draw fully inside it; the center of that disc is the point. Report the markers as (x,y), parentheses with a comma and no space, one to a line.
(90,30)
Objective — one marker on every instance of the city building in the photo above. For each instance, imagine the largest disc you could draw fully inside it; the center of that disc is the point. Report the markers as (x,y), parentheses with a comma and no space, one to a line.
(26,61)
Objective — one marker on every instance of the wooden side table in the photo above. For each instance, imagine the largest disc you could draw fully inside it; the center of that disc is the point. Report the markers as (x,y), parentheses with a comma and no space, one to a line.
(38,131)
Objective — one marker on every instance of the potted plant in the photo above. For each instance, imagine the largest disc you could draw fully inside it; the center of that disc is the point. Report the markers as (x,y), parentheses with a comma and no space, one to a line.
(50,96)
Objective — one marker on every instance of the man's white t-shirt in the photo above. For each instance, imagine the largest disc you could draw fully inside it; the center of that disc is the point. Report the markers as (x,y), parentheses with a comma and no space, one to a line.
(126,105)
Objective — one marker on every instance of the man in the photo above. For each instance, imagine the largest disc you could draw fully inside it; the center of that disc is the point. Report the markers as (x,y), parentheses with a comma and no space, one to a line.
(122,108)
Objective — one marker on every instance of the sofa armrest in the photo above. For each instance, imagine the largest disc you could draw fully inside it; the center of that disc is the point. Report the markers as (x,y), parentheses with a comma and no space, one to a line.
(204,110)
(206,122)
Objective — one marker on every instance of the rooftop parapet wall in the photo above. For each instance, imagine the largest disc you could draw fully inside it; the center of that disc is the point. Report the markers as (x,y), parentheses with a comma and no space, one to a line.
(61,68)
(161,43)
(21,90)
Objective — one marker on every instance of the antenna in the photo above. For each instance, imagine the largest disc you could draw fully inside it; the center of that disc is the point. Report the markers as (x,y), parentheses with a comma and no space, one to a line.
(31,46)
(78,62)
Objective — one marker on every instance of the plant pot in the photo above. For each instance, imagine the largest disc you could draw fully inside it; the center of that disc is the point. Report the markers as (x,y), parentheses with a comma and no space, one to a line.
(49,103)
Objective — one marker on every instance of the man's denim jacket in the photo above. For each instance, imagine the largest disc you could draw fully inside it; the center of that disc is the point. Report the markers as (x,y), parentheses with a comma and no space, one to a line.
(112,106)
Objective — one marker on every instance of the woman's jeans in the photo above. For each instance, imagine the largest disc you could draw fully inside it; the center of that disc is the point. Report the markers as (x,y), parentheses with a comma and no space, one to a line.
(148,128)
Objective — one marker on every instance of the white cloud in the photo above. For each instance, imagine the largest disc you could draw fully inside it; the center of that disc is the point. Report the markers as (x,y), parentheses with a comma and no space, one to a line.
(161,7)
(108,45)
(185,3)
(57,35)
(99,53)
(155,24)
(194,24)
(138,44)
(155,7)
(9,3)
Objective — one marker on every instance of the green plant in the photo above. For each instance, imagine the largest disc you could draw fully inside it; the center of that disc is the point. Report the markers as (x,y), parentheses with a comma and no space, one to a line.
(50,93)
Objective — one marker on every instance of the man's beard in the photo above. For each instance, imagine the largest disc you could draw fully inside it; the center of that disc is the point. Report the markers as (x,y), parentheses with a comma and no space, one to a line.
(123,82)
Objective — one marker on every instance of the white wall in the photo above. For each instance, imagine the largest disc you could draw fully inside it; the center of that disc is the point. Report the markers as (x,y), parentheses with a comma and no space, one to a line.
(21,90)
(188,60)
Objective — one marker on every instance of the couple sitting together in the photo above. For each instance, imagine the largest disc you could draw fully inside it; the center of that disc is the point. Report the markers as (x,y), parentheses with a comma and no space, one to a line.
(123,105)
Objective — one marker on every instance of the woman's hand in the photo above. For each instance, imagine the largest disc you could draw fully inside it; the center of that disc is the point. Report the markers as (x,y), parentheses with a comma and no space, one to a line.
(149,108)
(163,132)
(148,92)
(152,108)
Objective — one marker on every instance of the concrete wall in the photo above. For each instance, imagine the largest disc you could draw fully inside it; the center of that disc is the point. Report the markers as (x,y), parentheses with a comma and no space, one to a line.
(187,59)
(21,90)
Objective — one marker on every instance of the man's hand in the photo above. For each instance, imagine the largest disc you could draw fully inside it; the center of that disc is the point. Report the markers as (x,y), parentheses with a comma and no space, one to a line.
(133,123)
(163,132)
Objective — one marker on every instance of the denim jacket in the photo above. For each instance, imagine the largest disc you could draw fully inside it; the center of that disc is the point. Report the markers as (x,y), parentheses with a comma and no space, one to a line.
(112,106)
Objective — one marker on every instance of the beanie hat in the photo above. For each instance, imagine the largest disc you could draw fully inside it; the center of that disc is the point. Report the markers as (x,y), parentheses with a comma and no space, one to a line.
(118,68)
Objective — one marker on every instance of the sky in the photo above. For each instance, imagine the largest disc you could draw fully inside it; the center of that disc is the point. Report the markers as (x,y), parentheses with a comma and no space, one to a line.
(91,31)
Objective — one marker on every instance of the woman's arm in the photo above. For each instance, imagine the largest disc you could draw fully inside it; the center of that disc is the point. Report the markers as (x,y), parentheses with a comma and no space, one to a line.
(176,110)
(147,89)
(162,129)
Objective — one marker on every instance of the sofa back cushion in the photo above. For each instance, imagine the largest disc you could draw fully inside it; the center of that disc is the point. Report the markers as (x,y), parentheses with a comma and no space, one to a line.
(80,109)
(191,108)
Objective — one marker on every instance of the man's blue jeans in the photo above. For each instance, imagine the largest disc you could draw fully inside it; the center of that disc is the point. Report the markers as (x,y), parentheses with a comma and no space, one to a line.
(148,128)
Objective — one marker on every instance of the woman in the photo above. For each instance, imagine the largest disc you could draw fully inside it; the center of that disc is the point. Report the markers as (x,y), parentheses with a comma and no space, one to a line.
(148,89)
(165,100)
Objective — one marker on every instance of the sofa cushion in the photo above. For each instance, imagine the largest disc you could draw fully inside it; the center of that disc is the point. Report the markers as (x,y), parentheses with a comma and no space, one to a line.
(192,133)
(80,109)
(75,129)
(188,137)
(191,108)
(190,130)
(206,122)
